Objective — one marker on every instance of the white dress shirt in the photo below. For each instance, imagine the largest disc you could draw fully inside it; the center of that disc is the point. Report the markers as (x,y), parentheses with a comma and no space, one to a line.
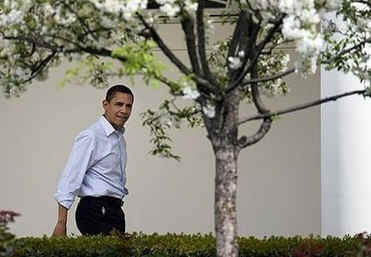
(96,165)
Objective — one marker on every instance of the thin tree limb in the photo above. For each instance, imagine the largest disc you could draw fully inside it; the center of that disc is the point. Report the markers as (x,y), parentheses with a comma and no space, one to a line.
(235,37)
(265,125)
(256,97)
(269,78)
(348,50)
(247,42)
(175,60)
(43,63)
(303,106)
(164,48)
(202,44)
(61,49)
(244,141)
(254,58)
(37,70)
(270,34)
(188,28)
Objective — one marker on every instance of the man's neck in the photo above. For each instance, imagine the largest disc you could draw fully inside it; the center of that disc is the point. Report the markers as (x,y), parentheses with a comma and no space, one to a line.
(113,125)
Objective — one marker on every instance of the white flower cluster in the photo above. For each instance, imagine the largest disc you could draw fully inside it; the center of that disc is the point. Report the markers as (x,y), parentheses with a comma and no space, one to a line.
(274,64)
(345,31)
(172,7)
(169,7)
(13,17)
(128,8)
(190,93)
(235,62)
(66,19)
(209,110)
(190,6)
(300,24)
(16,13)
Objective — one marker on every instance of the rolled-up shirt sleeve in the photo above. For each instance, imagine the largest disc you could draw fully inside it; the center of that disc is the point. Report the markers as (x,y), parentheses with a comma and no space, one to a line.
(77,165)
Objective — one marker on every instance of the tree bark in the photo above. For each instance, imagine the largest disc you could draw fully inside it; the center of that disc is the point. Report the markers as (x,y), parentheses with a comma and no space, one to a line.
(225,201)
(223,134)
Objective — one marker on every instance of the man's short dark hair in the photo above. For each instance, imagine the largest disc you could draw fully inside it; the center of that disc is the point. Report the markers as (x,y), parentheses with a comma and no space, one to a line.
(118,88)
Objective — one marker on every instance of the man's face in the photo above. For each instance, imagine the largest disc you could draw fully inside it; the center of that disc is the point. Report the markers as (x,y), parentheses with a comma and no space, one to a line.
(118,109)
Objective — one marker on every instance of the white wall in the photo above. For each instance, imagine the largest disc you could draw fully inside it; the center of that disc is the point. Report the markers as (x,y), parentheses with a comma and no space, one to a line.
(279,181)
(346,126)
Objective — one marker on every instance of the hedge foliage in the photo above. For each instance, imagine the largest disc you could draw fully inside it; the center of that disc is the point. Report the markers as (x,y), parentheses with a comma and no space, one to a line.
(182,245)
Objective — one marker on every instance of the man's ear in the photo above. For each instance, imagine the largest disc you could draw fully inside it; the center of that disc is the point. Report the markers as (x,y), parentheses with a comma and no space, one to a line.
(104,103)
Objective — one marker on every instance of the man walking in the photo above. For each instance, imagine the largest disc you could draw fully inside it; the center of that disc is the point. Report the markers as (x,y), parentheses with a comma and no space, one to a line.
(95,171)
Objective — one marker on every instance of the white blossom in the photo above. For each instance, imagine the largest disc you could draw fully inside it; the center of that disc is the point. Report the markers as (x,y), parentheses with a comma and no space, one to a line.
(150,20)
(190,93)
(309,49)
(301,24)
(234,62)
(127,8)
(291,28)
(170,9)
(67,20)
(209,110)
(48,9)
(13,17)
(190,6)
(285,61)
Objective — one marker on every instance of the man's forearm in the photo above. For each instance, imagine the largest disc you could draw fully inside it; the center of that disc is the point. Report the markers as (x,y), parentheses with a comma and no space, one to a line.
(61,226)
(62,214)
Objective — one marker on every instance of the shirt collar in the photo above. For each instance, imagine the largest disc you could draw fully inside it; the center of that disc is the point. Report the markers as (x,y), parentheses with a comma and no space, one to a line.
(108,128)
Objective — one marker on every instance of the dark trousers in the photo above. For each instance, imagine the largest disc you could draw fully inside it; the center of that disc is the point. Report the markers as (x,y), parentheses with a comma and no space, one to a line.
(100,215)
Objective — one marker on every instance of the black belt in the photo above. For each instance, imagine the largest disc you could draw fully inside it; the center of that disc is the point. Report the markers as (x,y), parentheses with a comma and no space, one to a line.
(107,199)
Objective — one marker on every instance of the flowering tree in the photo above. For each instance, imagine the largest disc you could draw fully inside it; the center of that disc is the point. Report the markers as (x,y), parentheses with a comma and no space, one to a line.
(37,34)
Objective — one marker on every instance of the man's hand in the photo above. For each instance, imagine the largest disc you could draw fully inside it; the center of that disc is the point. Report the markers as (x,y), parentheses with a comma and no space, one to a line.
(60,229)
(61,226)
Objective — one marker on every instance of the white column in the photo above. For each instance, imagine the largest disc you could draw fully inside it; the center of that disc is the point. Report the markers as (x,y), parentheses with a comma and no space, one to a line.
(346,158)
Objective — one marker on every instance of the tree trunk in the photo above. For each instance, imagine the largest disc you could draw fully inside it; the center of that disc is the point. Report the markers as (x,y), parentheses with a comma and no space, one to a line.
(225,201)
(223,134)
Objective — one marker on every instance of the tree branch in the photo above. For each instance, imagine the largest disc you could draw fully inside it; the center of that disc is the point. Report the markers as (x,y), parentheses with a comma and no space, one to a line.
(244,141)
(267,121)
(43,63)
(346,51)
(156,37)
(201,44)
(188,28)
(84,26)
(164,48)
(235,37)
(247,42)
(257,52)
(37,70)
(256,98)
(61,49)
(304,106)
(270,34)
(265,79)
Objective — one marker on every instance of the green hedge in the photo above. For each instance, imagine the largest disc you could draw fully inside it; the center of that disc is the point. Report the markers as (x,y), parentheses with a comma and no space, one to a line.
(173,245)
